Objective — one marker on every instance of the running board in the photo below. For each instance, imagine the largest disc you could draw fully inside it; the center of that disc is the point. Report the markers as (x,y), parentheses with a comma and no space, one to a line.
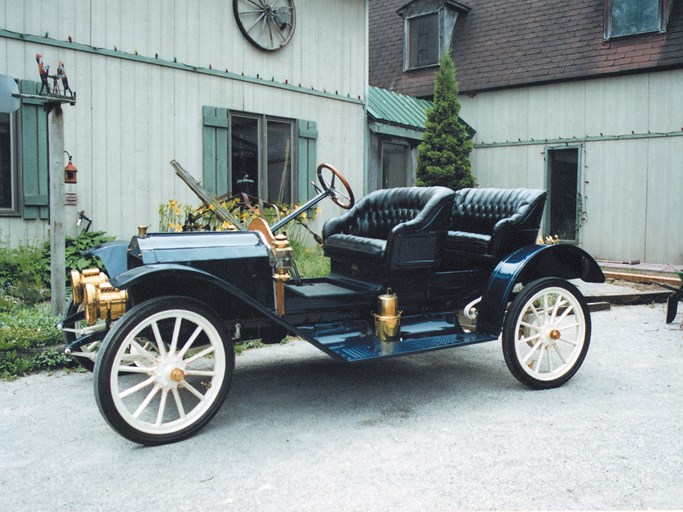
(362,348)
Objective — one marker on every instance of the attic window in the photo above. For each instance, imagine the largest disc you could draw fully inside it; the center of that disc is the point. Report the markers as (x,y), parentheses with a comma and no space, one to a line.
(428,30)
(633,17)
(422,41)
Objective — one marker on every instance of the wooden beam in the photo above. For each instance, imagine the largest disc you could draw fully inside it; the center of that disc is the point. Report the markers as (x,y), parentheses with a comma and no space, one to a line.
(57,229)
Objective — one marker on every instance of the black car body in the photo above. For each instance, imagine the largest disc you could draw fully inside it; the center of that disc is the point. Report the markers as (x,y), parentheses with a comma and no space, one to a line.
(412,269)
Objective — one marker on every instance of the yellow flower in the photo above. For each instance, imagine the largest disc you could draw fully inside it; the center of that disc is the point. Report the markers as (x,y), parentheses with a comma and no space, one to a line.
(212,207)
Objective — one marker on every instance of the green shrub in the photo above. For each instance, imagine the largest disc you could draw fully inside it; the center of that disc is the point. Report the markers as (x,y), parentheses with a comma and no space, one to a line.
(25,265)
(75,247)
(28,338)
(25,270)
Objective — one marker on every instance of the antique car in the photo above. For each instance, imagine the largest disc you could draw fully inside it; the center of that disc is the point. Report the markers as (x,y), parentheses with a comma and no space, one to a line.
(412,270)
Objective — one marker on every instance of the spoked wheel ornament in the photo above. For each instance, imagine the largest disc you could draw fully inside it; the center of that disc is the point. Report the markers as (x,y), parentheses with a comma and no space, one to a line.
(267,24)
(546,333)
(164,371)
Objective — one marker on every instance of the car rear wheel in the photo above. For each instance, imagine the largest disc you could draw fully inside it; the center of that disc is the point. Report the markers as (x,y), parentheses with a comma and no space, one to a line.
(546,333)
(163,371)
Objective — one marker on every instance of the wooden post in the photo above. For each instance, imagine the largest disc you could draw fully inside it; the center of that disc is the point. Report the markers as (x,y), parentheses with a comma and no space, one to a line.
(57,197)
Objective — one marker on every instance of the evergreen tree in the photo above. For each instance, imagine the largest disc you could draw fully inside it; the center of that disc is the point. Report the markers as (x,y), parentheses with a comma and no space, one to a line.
(443,155)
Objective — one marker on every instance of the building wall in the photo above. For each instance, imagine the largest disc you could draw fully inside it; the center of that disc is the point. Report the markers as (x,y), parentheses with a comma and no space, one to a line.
(141,73)
(631,134)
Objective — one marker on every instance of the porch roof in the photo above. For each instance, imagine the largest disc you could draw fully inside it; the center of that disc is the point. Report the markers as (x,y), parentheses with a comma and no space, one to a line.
(400,115)
(397,114)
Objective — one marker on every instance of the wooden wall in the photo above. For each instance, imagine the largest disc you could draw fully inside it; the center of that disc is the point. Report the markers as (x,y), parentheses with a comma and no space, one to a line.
(630,132)
(141,72)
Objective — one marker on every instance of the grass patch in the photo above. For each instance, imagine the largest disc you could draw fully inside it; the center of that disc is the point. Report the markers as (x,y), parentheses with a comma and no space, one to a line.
(29,340)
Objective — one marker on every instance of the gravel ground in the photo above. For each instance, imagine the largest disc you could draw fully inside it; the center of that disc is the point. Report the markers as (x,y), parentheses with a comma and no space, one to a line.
(447,430)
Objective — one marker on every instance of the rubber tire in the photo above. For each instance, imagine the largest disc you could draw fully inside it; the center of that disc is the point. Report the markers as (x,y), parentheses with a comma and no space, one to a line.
(516,309)
(106,360)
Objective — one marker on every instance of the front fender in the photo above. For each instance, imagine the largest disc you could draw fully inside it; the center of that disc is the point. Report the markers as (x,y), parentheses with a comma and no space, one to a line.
(528,264)
(114,256)
(148,274)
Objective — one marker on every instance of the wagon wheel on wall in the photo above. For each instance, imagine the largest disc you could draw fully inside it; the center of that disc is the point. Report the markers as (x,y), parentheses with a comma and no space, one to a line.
(267,24)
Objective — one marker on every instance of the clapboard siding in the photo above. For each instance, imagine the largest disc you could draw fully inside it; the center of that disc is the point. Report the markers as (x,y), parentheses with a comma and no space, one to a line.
(133,117)
(629,129)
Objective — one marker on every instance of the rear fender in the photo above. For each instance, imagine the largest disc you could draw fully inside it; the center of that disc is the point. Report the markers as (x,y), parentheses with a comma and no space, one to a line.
(528,264)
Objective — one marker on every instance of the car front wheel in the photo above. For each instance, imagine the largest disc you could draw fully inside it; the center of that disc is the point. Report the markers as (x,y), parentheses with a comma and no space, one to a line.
(546,333)
(163,371)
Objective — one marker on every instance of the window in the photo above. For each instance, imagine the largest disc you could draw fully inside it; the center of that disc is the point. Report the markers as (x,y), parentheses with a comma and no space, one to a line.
(8,173)
(263,156)
(631,17)
(428,30)
(423,41)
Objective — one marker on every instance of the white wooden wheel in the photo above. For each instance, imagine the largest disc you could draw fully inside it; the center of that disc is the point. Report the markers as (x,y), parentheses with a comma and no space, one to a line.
(267,24)
(546,333)
(164,371)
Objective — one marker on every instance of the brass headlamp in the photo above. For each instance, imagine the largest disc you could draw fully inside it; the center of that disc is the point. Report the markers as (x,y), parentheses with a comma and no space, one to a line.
(79,280)
(103,301)
(99,298)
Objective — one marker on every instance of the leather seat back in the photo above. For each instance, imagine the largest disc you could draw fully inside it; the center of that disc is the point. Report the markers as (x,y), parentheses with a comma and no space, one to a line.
(488,223)
(388,222)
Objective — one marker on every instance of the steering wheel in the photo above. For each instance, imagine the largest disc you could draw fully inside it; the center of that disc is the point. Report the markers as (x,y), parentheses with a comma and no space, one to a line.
(334,193)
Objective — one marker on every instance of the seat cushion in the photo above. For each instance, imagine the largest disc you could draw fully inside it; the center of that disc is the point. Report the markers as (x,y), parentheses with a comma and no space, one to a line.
(475,243)
(355,246)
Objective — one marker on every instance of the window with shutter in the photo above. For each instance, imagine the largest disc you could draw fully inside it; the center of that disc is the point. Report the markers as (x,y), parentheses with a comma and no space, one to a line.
(272,158)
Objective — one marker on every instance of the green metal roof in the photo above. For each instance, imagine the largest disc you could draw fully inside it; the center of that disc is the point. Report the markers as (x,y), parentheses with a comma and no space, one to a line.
(390,107)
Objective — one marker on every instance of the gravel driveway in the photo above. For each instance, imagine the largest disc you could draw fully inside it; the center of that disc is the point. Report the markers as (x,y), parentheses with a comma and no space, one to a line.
(447,430)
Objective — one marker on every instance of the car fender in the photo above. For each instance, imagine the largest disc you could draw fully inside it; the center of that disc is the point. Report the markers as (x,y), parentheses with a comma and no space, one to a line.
(141,276)
(528,264)
(114,256)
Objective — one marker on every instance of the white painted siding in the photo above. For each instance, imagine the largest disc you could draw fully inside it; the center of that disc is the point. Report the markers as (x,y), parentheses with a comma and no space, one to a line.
(133,117)
(629,128)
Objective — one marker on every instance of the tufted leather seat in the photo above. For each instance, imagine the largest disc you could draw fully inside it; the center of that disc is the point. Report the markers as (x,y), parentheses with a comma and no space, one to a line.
(488,223)
(397,228)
